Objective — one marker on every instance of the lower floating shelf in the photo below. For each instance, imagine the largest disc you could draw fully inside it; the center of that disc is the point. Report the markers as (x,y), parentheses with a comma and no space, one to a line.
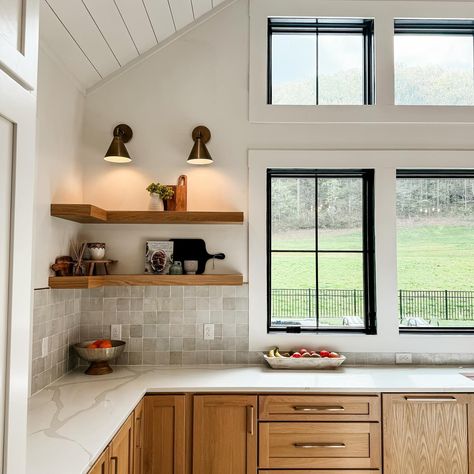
(97,281)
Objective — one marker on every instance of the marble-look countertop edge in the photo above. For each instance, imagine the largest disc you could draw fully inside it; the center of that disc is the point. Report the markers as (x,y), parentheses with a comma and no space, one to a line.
(60,414)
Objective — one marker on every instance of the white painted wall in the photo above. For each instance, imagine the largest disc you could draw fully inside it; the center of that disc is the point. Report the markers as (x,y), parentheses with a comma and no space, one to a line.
(203,78)
(59,167)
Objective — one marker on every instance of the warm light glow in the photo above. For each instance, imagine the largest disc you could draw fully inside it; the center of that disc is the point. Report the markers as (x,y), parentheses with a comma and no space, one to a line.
(200,161)
(117,159)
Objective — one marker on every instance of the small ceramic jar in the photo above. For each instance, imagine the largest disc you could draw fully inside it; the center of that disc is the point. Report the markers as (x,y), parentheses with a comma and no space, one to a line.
(191,267)
(96,250)
(176,269)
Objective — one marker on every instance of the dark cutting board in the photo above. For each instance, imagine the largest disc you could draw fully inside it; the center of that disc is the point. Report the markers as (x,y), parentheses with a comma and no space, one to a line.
(193,249)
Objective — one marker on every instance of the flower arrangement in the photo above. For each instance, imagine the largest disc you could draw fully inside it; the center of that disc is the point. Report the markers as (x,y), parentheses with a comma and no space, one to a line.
(163,191)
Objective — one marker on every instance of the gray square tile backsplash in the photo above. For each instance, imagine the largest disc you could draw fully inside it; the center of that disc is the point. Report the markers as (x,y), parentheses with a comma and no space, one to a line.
(162,326)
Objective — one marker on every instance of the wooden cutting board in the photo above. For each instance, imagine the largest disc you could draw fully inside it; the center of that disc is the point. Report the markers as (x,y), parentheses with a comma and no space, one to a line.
(193,249)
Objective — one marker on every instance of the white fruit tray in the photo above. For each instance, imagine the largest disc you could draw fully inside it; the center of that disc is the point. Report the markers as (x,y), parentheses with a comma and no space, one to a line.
(304,363)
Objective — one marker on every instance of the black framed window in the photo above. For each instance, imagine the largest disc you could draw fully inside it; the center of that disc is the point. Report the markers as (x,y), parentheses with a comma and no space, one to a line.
(435,239)
(320,250)
(320,61)
(434,62)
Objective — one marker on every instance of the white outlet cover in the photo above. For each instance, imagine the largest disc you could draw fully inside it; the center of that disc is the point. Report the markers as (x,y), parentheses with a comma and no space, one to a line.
(116,332)
(44,347)
(403,358)
(208,332)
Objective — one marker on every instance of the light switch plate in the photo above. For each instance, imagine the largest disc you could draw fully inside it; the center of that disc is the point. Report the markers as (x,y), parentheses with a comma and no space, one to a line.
(208,332)
(116,332)
(403,358)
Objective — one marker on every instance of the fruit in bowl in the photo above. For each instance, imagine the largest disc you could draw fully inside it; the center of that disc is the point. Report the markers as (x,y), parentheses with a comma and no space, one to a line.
(98,353)
(307,359)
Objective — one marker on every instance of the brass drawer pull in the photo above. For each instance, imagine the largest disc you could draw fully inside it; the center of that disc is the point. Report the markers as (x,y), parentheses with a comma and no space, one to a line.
(319,445)
(319,408)
(250,419)
(430,399)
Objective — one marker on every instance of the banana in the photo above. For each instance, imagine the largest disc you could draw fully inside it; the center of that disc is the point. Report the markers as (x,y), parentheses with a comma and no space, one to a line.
(271,353)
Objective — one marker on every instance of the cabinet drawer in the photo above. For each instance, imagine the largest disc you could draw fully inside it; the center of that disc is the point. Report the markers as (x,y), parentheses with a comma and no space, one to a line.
(319,408)
(319,445)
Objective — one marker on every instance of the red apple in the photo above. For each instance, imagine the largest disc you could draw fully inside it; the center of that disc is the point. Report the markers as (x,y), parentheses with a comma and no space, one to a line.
(334,355)
(302,351)
(324,353)
(296,355)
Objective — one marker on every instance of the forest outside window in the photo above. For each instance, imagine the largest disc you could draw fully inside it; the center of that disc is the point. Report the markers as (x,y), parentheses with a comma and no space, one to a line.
(320,231)
(434,62)
(435,236)
(320,61)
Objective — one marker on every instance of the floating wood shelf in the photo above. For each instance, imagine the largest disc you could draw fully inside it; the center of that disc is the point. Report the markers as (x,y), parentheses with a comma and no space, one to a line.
(97,281)
(89,214)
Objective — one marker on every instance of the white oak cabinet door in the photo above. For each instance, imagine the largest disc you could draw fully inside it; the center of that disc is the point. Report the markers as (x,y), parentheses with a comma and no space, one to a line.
(19,40)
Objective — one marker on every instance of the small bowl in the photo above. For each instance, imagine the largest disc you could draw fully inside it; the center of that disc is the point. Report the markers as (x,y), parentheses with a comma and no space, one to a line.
(99,358)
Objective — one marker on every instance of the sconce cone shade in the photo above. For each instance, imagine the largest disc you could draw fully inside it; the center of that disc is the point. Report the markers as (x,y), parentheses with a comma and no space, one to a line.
(117,152)
(200,154)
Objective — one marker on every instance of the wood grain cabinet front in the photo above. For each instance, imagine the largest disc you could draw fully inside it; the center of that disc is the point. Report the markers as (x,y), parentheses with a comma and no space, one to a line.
(102,465)
(138,433)
(167,418)
(321,445)
(121,449)
(319,407)
(428,433)
(225,434)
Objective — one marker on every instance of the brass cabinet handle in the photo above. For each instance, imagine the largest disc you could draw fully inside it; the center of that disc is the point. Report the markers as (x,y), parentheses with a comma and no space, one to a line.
(319,445)
(115,460)
(250,419)
(430,399)
(319,408)
(138,442)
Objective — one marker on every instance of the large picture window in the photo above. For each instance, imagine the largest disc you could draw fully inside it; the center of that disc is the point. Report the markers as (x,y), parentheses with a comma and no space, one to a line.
(435,219)
(320,230)
(320,61)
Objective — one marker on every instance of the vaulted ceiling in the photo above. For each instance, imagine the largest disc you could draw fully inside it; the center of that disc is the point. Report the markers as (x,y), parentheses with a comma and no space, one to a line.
(95,38)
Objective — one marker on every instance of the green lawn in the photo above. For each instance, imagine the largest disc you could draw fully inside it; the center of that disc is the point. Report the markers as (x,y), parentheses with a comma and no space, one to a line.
(435,257)
(429,258)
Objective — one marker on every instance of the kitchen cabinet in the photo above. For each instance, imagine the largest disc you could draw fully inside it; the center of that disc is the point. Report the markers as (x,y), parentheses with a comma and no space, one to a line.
(166,428)
(224,434)
(138,433)
(102,466)
(428,433)
(121,449)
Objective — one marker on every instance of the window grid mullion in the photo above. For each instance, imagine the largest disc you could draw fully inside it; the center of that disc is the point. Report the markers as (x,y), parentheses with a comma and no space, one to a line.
(316,254)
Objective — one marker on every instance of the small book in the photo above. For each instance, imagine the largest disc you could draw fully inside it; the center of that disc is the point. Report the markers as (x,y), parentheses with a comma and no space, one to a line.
(158,256)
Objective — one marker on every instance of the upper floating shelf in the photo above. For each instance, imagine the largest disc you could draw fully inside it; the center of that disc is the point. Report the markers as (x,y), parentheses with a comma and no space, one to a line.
(89,214)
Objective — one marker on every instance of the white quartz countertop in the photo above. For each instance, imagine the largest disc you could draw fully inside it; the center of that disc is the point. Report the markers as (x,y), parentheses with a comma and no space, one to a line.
(71,421)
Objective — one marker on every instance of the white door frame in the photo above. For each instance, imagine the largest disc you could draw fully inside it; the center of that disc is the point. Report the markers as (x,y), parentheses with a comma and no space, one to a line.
(19,107)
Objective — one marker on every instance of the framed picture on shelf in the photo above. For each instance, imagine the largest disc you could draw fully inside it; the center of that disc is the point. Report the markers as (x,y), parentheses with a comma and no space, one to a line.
(158,256)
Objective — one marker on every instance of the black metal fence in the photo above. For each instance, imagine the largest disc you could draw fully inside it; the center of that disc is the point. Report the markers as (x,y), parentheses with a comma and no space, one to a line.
(441,305)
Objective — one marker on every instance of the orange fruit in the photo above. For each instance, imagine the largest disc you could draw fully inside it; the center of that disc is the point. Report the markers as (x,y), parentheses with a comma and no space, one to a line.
(92,345)
(105,344)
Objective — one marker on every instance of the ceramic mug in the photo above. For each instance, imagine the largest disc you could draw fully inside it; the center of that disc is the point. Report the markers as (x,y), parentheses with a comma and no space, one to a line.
(190,267)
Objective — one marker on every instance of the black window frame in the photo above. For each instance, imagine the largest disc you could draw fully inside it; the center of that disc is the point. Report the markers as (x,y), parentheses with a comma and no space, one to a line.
(364,27)
(433,174)
(368,247)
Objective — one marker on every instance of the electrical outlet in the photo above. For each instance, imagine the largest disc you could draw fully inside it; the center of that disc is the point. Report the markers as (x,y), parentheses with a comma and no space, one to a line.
(116,332)
(403,358)
(44,347)
(208,332)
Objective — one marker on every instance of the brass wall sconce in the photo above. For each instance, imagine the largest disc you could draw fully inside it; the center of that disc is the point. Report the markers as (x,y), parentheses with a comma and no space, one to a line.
(117,152)
(199,154)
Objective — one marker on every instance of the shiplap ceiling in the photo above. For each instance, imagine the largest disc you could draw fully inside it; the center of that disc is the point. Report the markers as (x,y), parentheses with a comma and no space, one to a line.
(95,38)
